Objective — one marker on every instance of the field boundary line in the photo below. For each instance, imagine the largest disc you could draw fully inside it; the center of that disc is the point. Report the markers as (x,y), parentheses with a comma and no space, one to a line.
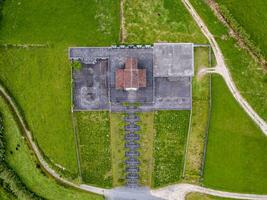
(208,99)
(74,126)
(187,142)
(24,46)
(77,144)
(206,136)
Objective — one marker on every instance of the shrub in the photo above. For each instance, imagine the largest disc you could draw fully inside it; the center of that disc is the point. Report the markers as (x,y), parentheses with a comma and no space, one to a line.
(76,64)
(8,177)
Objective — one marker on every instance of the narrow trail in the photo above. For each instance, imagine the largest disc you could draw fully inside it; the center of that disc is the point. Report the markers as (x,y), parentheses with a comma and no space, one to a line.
(179,192)
(122,22)
(223,70)
(38,154)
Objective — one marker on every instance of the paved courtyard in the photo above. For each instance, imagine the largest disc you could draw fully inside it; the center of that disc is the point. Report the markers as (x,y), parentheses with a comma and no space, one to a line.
(90,87)
(168,71)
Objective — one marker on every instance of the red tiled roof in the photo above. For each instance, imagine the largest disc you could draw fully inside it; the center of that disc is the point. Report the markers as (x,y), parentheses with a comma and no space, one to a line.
(131,76)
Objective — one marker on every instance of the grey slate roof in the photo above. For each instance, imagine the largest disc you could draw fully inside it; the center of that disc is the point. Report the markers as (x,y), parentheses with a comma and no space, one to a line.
(173,59)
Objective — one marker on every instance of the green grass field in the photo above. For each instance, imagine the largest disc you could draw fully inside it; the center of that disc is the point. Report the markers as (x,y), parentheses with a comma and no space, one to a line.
(61,22)
(199,196)
(236,152)
(199,121)
(171,128)
(250,15)
(39,78)
(159,21)
(94,143)
(21,159)
(147,132)
(117,147)
(248,76)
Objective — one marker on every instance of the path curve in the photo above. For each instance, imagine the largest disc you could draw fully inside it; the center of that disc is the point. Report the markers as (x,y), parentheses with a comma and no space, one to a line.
(173,192)
(223,70)
(179,192)
(39,156)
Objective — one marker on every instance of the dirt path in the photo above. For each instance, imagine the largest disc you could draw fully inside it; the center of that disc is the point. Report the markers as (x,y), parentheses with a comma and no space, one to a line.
(179,192)
(37,153)
(174,192)
(223,70)
(258,57)
(122,22)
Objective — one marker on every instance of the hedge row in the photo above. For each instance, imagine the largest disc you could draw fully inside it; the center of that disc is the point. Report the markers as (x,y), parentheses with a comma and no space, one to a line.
(8,177)
(241,33)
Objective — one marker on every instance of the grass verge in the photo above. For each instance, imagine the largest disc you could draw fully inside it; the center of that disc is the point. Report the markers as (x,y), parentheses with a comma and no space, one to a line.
(171,128)
(249,77)
(199,196)
(236,152)
(199,119)
(159,21)
(94,142)
(117,146)
(147,132)
(250,15)
(21,159)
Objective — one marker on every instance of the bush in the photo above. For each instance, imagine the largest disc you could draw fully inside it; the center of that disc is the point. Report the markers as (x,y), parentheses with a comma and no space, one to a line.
(76,64)
(8,177)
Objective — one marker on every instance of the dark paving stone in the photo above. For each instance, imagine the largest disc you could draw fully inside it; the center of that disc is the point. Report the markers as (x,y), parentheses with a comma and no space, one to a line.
(132,169)
(132,136)
(132,176)
(132,161)
(132,145)
(132,153)
(131,118)
(131,127)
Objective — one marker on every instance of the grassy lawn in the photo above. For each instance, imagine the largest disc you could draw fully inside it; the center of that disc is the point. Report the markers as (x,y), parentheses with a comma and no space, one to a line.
(94,143)
(199,196)
(67,22)
(117,147)
(159,21)
(147,132)
(44,97)
(250,15)
(248,76)
(21,159)
(39,78)
(199,119)
(236,153)
(171,128)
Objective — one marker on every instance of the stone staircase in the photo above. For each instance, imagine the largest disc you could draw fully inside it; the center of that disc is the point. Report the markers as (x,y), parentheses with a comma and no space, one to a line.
(132,146)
